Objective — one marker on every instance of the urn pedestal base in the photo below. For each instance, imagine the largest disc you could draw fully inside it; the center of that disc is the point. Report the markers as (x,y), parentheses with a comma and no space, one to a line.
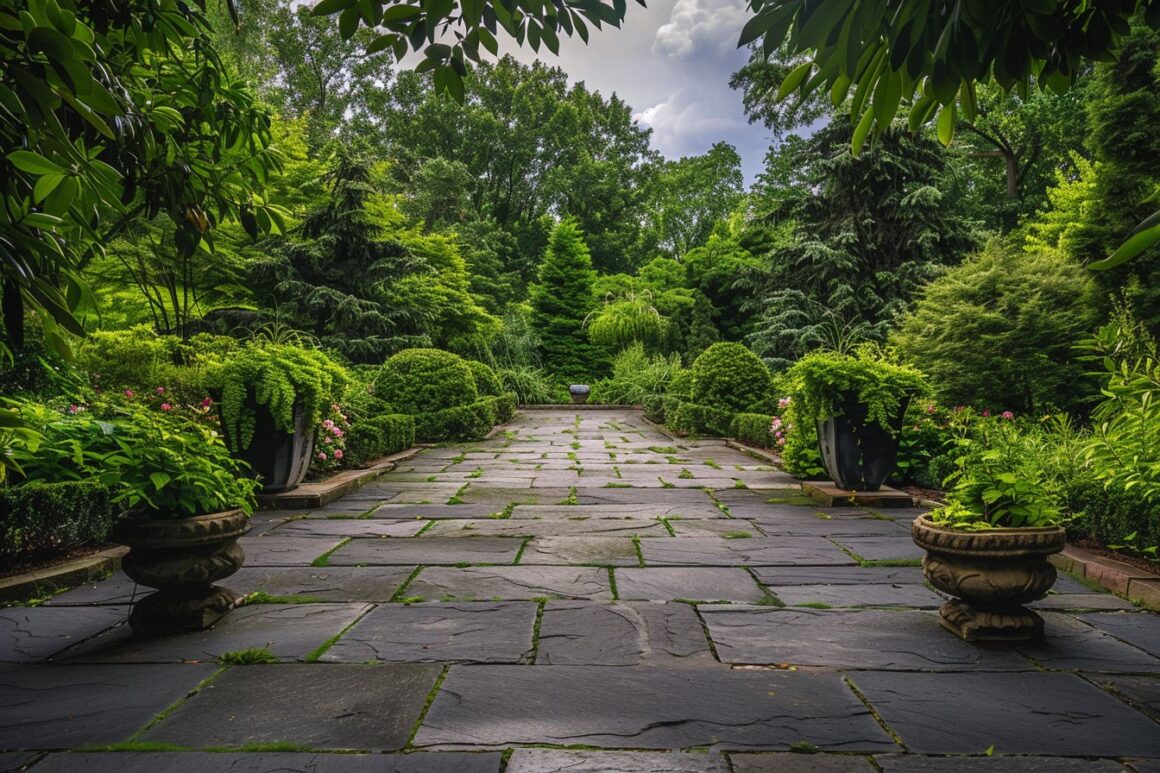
(971,624)
(164,613)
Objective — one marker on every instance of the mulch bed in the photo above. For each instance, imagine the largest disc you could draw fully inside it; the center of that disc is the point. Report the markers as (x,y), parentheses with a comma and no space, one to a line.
(1102,550)
(9,568)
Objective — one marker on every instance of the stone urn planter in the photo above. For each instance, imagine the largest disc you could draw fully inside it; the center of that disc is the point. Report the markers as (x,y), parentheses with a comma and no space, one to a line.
(182,558)
(277,458)
(858,454)
(991,574)
(579,393)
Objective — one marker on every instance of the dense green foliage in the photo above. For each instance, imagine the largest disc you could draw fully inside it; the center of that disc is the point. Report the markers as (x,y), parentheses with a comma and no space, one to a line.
(729,376)
(486,382)
(637,378)
(418,381)
(376,436)
(42,518)
(754,429)
(1000,331)
(561,300)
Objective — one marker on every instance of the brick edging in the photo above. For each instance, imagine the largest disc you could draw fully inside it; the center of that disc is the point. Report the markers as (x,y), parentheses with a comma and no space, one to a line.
(1123,579)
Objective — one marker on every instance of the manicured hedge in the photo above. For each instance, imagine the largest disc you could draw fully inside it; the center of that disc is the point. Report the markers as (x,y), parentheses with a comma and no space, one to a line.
(1111,514)
(418,381)
(753,428)
(461,422)
(486,382)
(654,408)
(700,419)
(53,517)
(505,406)
(729,376)
(376,436)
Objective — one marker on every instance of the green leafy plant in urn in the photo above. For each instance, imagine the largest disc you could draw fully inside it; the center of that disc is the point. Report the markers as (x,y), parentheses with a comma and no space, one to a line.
(989,546)
(188,501)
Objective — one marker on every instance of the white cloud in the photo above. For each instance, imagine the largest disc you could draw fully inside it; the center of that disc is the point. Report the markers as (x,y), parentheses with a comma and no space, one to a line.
(691,120)
(699,28)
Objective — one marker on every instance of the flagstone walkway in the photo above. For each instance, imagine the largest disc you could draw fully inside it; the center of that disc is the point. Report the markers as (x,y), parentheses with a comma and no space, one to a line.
(581,593)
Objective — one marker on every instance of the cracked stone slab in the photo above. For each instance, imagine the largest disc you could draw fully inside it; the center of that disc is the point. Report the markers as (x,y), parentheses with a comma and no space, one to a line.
(693,583)
(1140,629)
(730,528)
(576,526)
(1088,602)
(270,762)
(1141,691)
(839,575)
(470,632)
(558,761)
(434,512)
(285,551)
(624,634)
(766,551)
(31,634)
(891,763)
(1072,643)
(14,761)
(62,707)
(783,762)
(807,524)
(516,583)
(870,595)
(647,708)
(605,551)
(348,527)
(641,510)
(324,707)
(876,639)
(289,631)
(892,548)
(436,550)
(1025,713)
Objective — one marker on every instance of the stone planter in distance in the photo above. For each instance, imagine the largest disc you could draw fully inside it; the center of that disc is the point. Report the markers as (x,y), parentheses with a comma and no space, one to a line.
(182,558)
(579,393)
(991,574)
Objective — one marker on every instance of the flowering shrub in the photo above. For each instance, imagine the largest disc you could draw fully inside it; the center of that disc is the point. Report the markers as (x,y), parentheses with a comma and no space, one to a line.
(330,441)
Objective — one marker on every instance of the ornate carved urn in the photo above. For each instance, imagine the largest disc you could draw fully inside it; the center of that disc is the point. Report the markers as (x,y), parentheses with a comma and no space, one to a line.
(182,558)
(991,574)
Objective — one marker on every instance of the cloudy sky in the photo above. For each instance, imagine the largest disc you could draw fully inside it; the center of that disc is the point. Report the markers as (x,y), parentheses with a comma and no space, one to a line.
(672,62)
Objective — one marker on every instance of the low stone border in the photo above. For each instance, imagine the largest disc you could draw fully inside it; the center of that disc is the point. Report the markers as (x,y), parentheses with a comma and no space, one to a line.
(322,492)
(44,582)
(1121,578)
(829,495)
(762,454)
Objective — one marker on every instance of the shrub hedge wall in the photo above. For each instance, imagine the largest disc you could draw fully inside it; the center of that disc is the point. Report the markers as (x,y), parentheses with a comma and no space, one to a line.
(378,436)
(40,517)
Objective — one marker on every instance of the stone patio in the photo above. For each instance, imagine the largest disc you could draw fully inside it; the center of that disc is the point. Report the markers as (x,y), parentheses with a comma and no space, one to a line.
(604,598)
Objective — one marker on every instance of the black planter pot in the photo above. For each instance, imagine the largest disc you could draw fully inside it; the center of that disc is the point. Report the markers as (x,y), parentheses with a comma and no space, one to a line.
(279,459)
(858,454)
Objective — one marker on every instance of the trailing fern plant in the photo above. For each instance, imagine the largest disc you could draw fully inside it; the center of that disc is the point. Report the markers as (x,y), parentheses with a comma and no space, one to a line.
(280,377)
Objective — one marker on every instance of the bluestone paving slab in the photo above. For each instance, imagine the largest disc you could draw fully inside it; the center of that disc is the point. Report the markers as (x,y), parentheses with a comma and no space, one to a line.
(605,551)
(1105,602)
(1072,643)
(117,588)
(270,762)
(14,761)
(348,527)
(323,707)
(322,583)
(503,583)
(285,551)
(574,633)
(63,707)
(1143,692)
(520,527)
(783,762)
(839,575)
(288,631)
(692,583)
(1016,713)
(878,639)
(436,550)
(765,551)
(731,528)
(870,595)
(31,634)
(558,761)
(892,763)
(1141,629)
(469,632)
(894,548)
(647,708)
(434,512)
(643,510)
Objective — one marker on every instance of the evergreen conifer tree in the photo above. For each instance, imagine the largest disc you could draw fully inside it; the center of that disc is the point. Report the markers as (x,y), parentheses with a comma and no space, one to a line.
(561,300)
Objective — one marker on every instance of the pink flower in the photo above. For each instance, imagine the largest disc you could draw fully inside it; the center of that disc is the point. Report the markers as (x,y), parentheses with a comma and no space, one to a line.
(1008,415)
(784,402)
(328,441)
(335,407)
(321,456)
(74,409)
(207,402)
(987,412)
(128,393)
(166,407)
(160,390)
(338,453)
(931,408)
(327,424)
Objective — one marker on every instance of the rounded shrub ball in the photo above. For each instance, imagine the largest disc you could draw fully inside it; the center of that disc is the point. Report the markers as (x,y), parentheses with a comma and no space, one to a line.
(486,382)
(425,380)
(729,376)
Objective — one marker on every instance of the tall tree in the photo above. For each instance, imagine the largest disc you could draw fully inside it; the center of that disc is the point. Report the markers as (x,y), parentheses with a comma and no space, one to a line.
(693,195)
(561,301)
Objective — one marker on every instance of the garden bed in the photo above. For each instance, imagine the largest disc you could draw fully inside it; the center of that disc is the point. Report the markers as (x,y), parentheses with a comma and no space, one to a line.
(322,492)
